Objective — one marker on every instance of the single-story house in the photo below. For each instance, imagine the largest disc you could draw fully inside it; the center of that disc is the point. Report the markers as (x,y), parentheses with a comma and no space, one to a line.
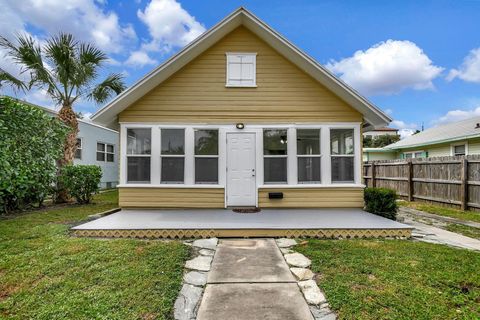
(453,139)
(241,118)
(96,145)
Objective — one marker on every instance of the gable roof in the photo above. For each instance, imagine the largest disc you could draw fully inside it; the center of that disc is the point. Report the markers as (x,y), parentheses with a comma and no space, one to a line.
(451,132)
(241,17)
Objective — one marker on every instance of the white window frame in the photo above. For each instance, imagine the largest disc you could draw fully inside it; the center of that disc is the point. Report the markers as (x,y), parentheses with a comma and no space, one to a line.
(310,155)
(105,152)
(453,145)
(280,156)
(207,156)
(227,73)
(81,149)
(413,153)
(223,129)
(172,156)
(126,155)
(354,156)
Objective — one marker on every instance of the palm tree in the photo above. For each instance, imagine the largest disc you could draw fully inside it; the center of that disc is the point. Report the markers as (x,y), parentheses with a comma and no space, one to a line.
(67,70)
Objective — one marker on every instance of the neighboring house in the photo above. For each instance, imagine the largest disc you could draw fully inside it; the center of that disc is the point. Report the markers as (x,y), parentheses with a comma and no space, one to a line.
(96,145)
(240,118)
(374,154)
(453,139)
(380,132)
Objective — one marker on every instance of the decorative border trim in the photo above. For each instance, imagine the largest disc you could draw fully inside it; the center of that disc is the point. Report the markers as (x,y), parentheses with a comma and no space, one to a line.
(245,233)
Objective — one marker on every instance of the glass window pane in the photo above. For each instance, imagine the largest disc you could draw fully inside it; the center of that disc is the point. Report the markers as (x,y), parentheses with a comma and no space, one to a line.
(100,147)
(275,142)
(309,169)
(110,157)
(206,142)
(173,141)
(172,170)
(342,169)
(418,154)
(79,143)
(459,150)
(110,148)
(139,141)
(341,141)
(206,170)
(275,170)
(308,141)
(78,154)
(408,155)
(138,169)
(100,156)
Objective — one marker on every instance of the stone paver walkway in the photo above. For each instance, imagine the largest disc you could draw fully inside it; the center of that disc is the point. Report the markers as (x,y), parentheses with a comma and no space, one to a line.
(249,280)
(426,233)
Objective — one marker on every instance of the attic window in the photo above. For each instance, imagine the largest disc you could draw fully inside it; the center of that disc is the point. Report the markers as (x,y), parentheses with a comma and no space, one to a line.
(241,69)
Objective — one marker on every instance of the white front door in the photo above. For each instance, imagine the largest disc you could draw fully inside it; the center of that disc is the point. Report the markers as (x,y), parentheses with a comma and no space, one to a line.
(241,171)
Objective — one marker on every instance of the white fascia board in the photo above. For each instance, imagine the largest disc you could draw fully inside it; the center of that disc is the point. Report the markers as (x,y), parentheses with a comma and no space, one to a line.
(374,116)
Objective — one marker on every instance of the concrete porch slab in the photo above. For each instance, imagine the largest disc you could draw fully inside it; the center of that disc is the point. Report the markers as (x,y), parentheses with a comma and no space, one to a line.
(249,261)
(206,223)
(253,301)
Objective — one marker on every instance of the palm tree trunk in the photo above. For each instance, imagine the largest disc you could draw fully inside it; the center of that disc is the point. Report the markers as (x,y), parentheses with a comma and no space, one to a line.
(69,118)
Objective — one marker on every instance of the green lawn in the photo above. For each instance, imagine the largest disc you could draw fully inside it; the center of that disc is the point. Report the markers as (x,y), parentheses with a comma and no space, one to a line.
(46,274)
(396,279)
(443,211)
(465,230)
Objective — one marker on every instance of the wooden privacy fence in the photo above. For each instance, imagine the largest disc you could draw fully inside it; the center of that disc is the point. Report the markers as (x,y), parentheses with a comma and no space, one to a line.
(453,181)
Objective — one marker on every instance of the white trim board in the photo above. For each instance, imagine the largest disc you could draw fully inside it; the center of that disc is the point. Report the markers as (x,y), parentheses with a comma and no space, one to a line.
(241,17)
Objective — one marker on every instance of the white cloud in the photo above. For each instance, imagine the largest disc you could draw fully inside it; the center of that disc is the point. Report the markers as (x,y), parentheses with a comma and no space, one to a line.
(457,115)
(404,129)
(169,25)
(85,19)
(469,70)
(140,59)
(387,68)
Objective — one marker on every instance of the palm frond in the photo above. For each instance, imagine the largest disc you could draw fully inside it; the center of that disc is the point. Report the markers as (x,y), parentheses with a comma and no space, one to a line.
(28,55)
(14,82)
(61,51)
(113,84)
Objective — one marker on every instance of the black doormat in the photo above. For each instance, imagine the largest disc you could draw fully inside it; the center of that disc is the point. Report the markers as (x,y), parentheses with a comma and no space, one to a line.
(246,210)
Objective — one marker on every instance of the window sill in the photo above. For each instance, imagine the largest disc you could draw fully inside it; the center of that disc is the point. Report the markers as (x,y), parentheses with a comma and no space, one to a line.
(171,185)
(240,86)
(311,185)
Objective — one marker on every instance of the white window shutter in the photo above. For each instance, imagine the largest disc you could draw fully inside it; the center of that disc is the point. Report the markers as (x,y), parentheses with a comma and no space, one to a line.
(241,69)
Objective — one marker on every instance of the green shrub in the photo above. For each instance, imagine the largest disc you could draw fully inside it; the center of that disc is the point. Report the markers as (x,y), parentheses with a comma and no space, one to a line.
(30,143)
(382,202)
(81,181)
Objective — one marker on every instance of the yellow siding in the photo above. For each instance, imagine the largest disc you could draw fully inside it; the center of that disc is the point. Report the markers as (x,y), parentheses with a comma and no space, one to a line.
(312,198)
(171,197)
(197,92)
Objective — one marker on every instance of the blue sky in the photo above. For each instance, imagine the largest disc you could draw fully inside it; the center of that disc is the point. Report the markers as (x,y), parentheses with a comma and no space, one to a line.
(417,60)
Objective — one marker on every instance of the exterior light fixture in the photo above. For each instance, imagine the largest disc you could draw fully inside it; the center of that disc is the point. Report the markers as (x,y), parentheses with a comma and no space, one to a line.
(240,126)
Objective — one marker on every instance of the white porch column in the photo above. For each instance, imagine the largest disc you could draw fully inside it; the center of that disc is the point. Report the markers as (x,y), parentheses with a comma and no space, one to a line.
(155,169)
(189,156)
(326,172)
(292,177)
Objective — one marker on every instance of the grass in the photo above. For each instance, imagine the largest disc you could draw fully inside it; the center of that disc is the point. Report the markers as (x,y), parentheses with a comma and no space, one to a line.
(46,274)
(396,279)
(465,230)
(443,211)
